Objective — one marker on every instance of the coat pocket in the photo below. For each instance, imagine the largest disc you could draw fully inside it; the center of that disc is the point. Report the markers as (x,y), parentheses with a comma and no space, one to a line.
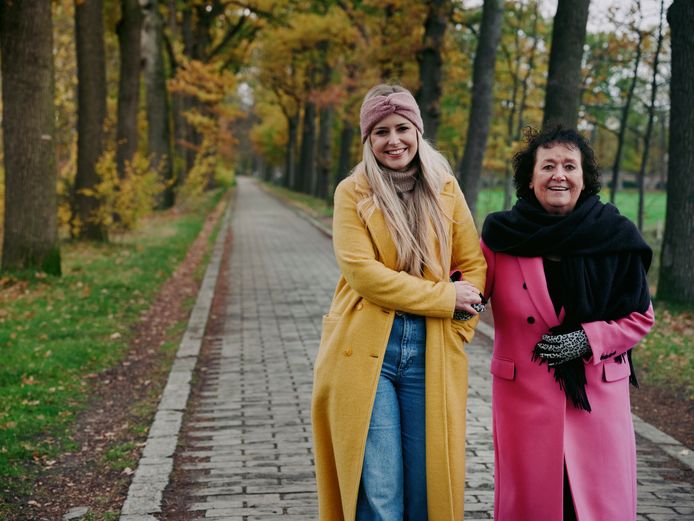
(613,371)
(465,329)
(503,368)
(329,325)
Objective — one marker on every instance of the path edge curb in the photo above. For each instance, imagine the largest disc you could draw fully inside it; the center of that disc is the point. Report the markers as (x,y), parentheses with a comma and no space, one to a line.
(154,468)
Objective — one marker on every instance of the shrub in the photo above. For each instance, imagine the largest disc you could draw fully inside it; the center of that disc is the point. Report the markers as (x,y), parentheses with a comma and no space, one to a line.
(124,201)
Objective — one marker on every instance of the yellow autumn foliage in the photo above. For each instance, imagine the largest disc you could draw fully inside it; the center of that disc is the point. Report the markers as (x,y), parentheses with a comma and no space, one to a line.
(212,88)
(124,201)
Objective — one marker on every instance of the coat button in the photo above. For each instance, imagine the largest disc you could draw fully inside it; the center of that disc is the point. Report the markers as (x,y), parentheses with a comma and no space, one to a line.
(531,320)
(360,306)
(348,351)
(524,286)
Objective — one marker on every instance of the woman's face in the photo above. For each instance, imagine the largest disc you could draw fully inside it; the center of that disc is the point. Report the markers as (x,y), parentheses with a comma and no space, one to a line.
(557,179)
(394,141)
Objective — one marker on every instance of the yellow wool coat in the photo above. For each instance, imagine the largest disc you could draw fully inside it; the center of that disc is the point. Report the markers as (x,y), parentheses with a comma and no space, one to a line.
(353,342)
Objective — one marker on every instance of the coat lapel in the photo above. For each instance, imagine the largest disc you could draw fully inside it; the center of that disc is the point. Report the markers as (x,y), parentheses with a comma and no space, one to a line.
(380,234)
(448,203)
(536,285)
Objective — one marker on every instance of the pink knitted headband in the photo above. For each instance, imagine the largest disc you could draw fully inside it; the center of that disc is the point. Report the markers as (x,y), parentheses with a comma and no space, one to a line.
(375,109)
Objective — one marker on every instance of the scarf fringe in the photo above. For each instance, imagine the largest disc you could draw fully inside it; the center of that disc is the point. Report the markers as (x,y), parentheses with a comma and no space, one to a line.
(571,377)
(632,371)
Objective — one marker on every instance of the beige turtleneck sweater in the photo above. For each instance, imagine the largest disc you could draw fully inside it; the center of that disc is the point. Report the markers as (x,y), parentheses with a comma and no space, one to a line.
(403,181)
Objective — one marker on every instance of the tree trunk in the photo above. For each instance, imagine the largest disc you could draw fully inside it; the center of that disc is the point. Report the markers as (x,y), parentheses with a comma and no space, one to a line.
(387,63)
(91,112)
(197,40)
(290,157)
(345,162)
(429,58)
(623,122)
(266,172)
(324,159)
(178,100)
(191,50)
(158,130)
(129,30)
(520,120)
(30,239)
(324,152)
(514,65)
(651,114)
(202,37)
(525,82)
(481,103)
(307,158)
(676,282)
(662,157)
(563,91)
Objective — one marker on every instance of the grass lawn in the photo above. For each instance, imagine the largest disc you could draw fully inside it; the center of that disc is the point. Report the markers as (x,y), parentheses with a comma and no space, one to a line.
(665,357)
(57,333)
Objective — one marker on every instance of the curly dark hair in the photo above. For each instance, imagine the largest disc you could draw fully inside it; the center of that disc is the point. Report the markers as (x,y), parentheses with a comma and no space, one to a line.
(524,160)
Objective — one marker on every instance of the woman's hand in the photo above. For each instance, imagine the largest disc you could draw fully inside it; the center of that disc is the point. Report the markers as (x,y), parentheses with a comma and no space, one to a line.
(466,294)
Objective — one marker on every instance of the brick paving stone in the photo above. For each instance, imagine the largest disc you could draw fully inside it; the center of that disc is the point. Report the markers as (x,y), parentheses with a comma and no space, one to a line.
(216,491)
(252,423)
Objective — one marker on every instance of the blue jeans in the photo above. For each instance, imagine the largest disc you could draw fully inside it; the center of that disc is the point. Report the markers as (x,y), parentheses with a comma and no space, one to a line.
(393,481)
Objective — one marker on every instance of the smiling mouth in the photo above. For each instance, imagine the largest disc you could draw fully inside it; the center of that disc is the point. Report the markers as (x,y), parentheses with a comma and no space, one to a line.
(558,188)
(397,152)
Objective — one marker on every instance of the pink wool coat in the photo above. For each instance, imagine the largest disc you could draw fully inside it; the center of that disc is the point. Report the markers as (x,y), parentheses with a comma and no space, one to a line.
(536,429)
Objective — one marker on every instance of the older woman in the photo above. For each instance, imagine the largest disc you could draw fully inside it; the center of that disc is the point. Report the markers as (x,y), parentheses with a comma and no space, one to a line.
(567,279)
(391,372)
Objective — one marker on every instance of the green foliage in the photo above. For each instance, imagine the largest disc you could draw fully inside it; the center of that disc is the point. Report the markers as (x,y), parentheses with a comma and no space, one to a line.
(209,86)
(123,202)
(198,178)
(665,357)
(269,135)
(121,456)
(225,175)
(51,262)
(57,334)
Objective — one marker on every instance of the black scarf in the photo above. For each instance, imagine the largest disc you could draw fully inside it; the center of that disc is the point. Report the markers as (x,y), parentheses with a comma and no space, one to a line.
(604,261)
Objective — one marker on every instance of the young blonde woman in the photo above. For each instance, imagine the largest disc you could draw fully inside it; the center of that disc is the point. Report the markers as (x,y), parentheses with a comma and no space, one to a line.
(390,383)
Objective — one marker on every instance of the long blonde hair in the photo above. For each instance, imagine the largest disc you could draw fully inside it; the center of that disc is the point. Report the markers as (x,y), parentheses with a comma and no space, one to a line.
(412,243)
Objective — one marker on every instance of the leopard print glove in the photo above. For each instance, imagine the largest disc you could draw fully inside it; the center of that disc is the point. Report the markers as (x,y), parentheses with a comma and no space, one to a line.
(557,349)
(464,315)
